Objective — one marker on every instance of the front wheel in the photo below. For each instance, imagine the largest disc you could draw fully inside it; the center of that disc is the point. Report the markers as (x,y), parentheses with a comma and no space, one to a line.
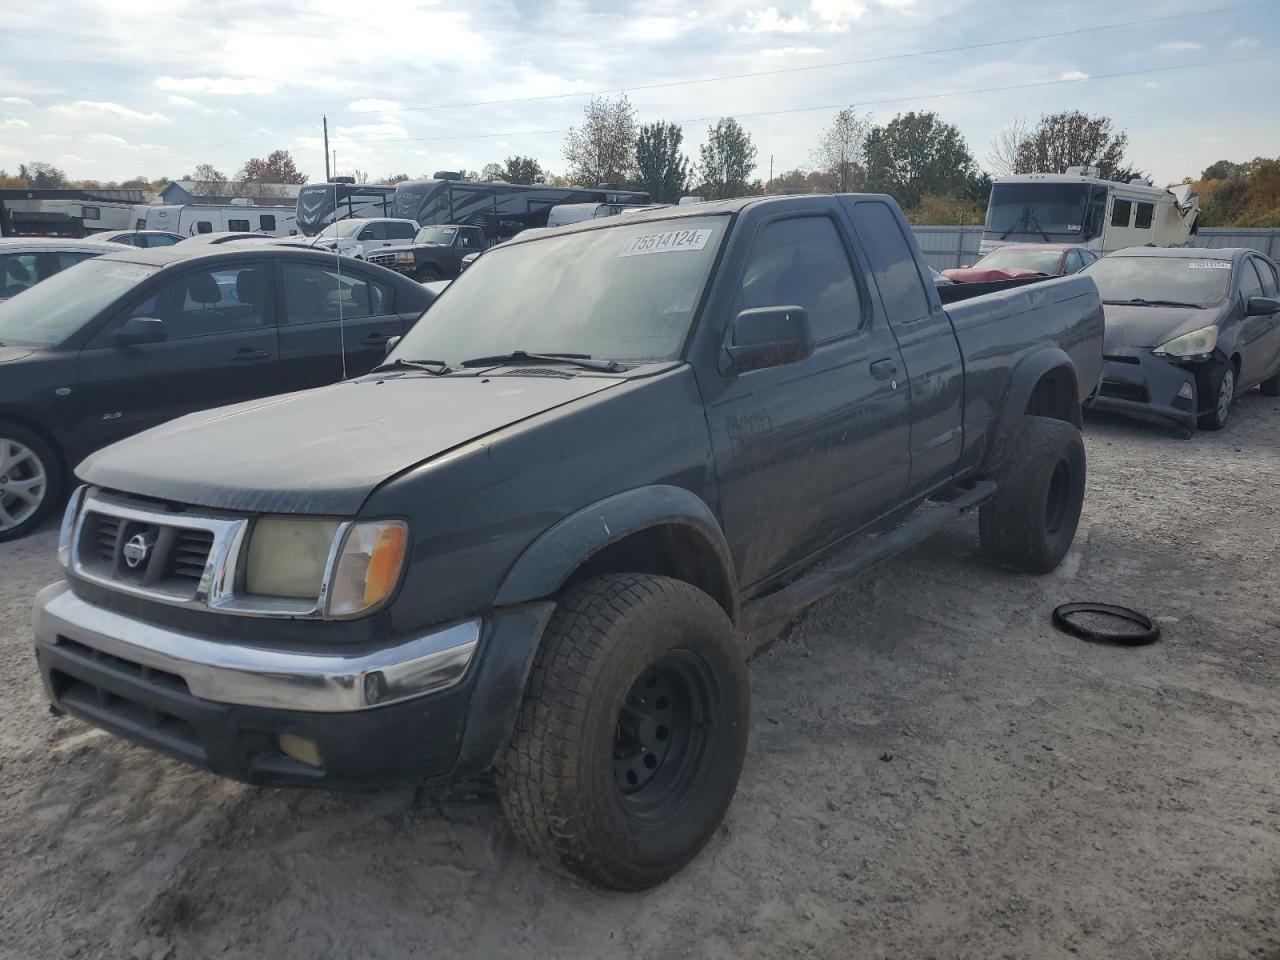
(427,275)
(1219,384)
(30,480)
(1031,521)
(631,735)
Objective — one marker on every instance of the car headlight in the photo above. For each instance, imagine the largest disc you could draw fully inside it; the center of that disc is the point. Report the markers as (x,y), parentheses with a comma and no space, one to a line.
(404,258)
(347,569)
(68,529)
(1197,343)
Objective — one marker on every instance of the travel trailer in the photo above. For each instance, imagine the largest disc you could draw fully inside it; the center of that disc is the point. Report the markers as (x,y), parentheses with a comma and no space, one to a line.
(321,204)
(1079,207)
(190,219)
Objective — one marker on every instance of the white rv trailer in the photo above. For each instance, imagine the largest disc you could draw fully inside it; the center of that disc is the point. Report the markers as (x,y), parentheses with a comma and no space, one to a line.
(1080,207)
(190,219)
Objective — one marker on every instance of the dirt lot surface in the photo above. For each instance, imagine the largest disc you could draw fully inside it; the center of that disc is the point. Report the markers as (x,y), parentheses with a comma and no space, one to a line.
(934,772)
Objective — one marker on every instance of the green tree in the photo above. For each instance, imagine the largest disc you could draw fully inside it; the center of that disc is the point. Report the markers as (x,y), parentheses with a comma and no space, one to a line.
(841,149)
(726,161)
(917,154)
(602,149)
(1073,139)
(42,176)
(660,166)
(524,170)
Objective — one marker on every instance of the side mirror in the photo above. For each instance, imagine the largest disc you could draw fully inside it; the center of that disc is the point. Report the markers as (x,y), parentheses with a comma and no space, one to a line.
(137,330)
(392,343)
(769,337)
(1261,306)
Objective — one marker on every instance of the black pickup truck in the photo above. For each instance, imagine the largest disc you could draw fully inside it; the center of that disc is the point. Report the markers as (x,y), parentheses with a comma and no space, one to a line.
(530,541)
(435,254)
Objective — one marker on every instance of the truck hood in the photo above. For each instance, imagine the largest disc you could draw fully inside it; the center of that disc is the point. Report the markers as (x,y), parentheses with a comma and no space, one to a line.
(1137,326)
(323,451)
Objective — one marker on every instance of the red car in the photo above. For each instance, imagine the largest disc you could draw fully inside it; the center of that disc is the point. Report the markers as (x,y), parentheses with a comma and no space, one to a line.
(1018,260)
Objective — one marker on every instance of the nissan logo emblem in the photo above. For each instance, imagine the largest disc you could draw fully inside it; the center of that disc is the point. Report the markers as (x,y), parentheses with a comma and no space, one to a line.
(136,550)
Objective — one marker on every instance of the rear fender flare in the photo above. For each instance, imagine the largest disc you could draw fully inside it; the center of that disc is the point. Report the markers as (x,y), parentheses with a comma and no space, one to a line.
(1022,384)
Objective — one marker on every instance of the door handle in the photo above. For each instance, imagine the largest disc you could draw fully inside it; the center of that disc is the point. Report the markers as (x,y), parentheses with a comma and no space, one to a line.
(245,354)
(884,369)
(374,340)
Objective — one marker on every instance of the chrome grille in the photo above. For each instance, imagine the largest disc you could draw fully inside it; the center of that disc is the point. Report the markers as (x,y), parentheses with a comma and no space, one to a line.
(106,531)
(191,553)
(382,259)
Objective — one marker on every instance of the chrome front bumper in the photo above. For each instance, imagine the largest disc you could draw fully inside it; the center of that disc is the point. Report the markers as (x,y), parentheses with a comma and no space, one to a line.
(318,681)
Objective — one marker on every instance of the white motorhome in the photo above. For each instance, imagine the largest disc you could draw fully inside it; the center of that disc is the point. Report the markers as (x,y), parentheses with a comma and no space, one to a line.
(1079,207)
(564,213)
(190,219)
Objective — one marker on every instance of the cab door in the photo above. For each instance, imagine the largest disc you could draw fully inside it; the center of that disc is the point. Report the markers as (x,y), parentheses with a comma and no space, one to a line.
(807,452)
(1259,337)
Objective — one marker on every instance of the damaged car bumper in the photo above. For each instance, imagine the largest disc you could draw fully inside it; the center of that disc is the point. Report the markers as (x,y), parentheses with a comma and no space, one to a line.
(1138,383)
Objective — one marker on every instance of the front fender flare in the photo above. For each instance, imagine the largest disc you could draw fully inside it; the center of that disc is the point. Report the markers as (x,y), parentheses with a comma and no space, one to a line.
(548,562)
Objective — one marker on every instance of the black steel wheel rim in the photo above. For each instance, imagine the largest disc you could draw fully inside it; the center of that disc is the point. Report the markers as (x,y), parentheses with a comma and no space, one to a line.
(1058,502)
(662,735)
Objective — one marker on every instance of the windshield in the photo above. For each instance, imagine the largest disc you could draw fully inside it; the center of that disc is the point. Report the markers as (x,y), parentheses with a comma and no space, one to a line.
(342,229)
(1037,208)
(1198,283)
(442,236)
(626,292)
(1042,261)
(53,310)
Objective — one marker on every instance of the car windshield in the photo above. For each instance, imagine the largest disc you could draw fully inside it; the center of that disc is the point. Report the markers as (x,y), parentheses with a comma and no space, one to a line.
(1199,283)
(442,236)
(1042,261)
(342,229)
(625,292)
(53,310)
(1034,208)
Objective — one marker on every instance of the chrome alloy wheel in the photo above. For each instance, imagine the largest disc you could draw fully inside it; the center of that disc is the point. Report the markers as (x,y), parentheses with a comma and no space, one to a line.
(23,483)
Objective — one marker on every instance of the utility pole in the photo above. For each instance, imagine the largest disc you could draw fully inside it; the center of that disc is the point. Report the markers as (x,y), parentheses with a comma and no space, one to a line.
(327,176)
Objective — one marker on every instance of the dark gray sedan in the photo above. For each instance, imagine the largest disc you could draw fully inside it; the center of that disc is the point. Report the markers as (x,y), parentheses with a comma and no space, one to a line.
(1187,331)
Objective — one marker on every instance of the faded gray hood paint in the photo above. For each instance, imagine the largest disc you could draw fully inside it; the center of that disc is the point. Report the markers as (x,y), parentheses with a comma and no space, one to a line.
(13,353)
(1136,326)
(322,451)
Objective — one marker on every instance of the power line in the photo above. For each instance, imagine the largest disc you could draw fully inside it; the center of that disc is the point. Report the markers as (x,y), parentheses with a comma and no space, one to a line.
(863,103)
(986,44)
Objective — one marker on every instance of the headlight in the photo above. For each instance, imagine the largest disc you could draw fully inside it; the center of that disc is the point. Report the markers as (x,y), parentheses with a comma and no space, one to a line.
(1197,343)
(345,569)
(288,557)
(404,258)
(368,567)
(68,528)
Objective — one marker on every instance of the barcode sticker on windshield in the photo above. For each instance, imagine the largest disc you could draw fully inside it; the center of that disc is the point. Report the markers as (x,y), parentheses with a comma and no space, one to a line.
(667,242)
(1210,265)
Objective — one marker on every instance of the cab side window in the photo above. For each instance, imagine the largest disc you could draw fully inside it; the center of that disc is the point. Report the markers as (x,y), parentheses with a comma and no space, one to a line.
(373,231)
(1267,273)
(803,262)
(1120,212)
(1250,282)
(892,263)
(401,231)
(1142,219)
(209,302)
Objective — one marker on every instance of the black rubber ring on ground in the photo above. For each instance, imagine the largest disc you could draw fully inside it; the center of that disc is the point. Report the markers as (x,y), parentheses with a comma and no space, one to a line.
(1149,634)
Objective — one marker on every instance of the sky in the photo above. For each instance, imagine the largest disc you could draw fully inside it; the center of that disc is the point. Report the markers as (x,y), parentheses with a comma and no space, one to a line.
(111,89)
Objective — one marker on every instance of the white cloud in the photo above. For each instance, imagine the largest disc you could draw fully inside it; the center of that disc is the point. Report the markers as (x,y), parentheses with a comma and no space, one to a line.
(790,51)
(181,101)
(770,21)
(373,105)
(222,112)
(70,158)
(107,138)
(373,131)
(16,101)
(1212,139)
(1073,75)
(1178,45)
(838,12)
(230,86)
(14,122)
(54,136)
(1151,85)
(1245,42)
(97,109)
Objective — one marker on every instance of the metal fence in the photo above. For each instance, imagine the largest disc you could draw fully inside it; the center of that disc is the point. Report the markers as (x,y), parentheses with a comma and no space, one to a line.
(946,247)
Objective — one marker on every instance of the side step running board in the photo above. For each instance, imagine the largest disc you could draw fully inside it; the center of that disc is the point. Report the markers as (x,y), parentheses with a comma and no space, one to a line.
(786,602)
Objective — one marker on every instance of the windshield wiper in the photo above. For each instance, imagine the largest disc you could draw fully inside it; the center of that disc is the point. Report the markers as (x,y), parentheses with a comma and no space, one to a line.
(523,356)
(438,367)
(1143,302)
(1033,219)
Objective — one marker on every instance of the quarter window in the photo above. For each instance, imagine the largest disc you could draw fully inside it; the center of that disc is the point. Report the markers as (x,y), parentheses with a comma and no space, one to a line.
(323,294)
(892,263)
(1142,219)
(1120,212)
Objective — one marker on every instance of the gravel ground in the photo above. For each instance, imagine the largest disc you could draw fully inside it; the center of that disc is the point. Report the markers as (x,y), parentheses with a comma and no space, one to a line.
(934,771)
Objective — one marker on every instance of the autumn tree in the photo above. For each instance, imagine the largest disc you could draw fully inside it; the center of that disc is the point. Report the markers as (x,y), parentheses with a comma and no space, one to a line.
(398,178)
(42,176)
(1002,157)
(661,168)
(525,170)
(841,150)
(277,167)
(916,154)
(726,160)
(602,149)
(206,173)
(492,171)
(1073,139)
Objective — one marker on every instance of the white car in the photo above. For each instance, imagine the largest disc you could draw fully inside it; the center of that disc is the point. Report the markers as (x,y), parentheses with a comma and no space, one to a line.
(359,237)
(25,261)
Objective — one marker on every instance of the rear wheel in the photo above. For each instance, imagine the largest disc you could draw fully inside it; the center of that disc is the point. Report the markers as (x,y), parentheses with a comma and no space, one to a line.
(1031,521)
(30,480)
(630,739)
(1219,385)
